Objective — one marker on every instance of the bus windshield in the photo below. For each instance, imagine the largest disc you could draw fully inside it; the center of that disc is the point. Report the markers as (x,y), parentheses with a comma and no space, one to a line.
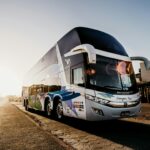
(111,74)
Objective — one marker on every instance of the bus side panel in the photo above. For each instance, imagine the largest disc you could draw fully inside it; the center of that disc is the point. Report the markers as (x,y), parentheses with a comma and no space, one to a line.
(75,107)
(31,101)
(39,102)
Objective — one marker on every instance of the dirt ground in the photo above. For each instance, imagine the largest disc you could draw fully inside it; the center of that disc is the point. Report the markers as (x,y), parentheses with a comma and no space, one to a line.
(18,132)
(124,134)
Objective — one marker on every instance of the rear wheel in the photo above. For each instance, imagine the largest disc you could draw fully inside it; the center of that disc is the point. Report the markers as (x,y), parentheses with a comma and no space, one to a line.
(48,109)
(59,110)
(26,105)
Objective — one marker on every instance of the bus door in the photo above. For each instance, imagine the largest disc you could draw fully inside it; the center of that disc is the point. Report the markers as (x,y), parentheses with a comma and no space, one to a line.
(78,87)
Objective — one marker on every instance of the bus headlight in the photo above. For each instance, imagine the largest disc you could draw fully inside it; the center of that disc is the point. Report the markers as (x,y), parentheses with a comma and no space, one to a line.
(96,99)
(102,101)
(90,97)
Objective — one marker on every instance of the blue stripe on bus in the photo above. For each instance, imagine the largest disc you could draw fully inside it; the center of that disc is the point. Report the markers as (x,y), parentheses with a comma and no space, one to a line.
(66,95)
(71,96)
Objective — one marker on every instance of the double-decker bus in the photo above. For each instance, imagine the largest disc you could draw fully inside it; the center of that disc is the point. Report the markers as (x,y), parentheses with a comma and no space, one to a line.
(87,75)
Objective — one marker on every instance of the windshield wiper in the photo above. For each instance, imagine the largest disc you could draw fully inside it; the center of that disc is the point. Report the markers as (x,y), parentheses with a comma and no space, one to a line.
(112,87)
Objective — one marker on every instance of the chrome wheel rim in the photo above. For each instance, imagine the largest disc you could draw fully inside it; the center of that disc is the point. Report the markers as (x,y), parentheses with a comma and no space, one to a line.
(59,110)
(49,109)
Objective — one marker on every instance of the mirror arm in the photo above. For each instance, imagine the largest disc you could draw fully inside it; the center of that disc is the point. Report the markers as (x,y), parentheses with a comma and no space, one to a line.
(84,48)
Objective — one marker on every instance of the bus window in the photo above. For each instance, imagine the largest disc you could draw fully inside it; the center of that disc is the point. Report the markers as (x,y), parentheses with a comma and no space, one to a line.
(45,88)
(39,90)
(32,91)
(77,75)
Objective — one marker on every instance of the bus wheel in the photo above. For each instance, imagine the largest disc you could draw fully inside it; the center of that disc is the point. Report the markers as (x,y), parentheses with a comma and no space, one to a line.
(59,110)
(26,105)
(48,109)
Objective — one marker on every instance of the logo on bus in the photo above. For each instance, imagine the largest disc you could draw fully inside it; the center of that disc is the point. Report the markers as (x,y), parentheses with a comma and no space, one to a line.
(68,61)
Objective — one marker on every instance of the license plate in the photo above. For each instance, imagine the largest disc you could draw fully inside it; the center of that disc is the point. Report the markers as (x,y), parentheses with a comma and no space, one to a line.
(125,114)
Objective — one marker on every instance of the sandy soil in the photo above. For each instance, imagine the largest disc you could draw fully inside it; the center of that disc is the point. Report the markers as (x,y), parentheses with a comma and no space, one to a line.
(17,132)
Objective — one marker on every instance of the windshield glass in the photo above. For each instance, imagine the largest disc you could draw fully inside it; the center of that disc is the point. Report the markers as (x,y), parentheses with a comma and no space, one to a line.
(111,74)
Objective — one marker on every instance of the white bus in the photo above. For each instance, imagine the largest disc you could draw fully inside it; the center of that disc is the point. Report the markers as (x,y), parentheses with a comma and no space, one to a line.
(86,75)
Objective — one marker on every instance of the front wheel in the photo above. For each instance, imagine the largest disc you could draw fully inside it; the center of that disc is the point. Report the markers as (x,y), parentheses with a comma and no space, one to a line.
(59,110)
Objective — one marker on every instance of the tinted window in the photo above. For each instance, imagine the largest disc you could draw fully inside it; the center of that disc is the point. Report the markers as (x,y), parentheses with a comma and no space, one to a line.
(101,40)
(111,74)
(46,61)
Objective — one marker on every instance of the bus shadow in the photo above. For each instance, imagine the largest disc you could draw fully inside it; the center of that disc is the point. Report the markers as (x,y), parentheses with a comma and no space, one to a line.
(130,134)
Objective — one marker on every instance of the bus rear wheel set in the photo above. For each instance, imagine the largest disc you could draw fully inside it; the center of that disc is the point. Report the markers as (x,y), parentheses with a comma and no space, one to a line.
(57,111)
(26,105)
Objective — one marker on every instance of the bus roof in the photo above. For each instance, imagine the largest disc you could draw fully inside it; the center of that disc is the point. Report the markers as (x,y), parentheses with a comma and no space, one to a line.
(100,40)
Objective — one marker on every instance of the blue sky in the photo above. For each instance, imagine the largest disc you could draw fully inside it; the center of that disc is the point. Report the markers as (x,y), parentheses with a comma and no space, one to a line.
(29,28)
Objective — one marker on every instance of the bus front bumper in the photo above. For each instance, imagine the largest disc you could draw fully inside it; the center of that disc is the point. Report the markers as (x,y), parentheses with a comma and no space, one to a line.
(97,112)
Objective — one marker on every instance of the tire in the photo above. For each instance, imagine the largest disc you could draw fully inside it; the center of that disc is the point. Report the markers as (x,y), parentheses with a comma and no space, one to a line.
(48,110)
(26,105)
(58,111)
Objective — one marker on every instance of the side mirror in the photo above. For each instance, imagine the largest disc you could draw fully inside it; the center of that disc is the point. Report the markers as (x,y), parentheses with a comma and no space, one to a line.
(145,60)
(84,48)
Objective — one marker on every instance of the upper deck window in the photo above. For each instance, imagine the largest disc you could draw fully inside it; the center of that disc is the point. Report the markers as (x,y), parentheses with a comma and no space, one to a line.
(102,41)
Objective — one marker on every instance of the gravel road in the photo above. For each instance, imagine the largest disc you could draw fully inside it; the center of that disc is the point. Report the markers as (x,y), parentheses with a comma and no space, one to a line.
(124,134)
(18,132)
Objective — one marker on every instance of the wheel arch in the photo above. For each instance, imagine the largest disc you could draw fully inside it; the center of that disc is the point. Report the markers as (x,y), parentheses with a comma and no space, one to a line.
(56,98)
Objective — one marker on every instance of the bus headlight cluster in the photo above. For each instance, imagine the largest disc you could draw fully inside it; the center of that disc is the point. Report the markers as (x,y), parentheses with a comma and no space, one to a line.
(90,97)
(96,99)
(102,101)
